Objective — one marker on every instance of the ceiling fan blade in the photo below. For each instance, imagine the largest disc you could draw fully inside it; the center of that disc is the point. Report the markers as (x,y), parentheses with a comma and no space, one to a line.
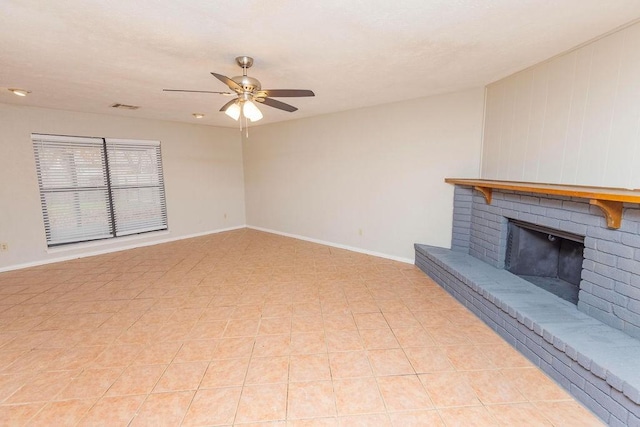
(226,80)
(197,91)
(280,93)
(228,104)
(277,104)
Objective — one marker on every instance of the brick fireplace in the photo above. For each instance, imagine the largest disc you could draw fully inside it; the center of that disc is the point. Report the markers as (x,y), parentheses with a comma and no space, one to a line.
(591,348)
(610,286)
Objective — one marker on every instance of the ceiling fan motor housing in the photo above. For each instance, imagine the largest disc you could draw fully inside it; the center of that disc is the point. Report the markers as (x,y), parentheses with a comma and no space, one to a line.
(249,84)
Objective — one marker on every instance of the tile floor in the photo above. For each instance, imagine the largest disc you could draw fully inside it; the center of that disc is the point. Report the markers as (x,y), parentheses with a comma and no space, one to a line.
(249,328)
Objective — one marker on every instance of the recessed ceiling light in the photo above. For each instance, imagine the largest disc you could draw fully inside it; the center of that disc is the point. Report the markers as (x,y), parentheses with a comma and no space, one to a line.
(198,115)
(20,92)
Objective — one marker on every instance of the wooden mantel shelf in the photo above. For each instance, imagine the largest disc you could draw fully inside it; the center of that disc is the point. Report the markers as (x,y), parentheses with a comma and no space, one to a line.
(610,200)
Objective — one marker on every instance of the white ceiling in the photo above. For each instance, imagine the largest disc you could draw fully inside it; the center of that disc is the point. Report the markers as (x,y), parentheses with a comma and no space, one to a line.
(86,55)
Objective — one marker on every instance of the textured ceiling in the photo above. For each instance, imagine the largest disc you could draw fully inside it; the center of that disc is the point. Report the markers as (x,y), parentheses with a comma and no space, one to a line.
(86,55)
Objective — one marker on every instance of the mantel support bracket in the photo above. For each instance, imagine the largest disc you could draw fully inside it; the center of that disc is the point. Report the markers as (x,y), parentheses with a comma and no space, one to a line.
(486,192)
(612,211)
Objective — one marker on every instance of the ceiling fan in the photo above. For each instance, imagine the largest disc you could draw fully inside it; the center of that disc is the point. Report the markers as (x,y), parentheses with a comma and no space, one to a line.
(248,91)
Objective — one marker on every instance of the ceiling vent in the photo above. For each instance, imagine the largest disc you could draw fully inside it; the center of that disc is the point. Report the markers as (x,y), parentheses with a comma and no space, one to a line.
(125,106)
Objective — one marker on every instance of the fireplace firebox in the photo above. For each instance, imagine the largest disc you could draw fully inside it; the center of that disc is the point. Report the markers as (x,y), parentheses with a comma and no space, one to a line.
(550,259)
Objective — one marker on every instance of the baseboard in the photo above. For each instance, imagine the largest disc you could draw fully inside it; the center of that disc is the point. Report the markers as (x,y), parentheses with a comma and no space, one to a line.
(334,245)
(112,249)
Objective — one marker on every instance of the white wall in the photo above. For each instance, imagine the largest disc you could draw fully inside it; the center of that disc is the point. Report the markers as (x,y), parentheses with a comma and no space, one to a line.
(202,170)
(380,170)
(572,120)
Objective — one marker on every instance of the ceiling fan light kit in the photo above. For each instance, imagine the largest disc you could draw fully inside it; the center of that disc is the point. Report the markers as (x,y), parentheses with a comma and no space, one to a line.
(248,92)
(233,111)
(251,111)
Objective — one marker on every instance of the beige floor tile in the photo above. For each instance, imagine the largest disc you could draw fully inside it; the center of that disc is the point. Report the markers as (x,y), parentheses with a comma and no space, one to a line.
(264,402)
(112,411)
(7,357)
(196,350)
(277,310)
(569,414)
(215,329)
(492,387)
(309,367)
(357,396)
(449,335)
(40,387)
(432,318)
(90,383)
(520,414)
(311,400)
(339,321)
(213,407)
(137,380)
(364,306)
(308,343)
(449,388)
(272,345)
(371,321)
(64,413)
(163,409)
(369,420)
(401,319)
(413,337)
(306,309)
(211,314)
(225,373)
(268,370)
(428,359)
(534,384)
(343,341)
(504,356)
(402,393)
(350,364)
(377,339)
(231,348)
(241,328)
(275,326)
(469,416)
(314,422)
(181,377)
(390,362)
(18,415)
(76,358)
(118,356)
(422,418)
(479,334)
(251,311)
(467,357)
(34,360)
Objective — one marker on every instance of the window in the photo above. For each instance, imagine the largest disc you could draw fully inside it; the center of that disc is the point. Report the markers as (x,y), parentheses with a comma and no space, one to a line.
(98,188)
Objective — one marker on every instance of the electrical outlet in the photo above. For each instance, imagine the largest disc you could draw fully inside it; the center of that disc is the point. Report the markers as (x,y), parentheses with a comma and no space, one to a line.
(4,247)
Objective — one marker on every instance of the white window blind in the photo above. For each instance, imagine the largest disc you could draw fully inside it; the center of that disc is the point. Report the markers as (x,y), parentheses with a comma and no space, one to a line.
(92,188)
(137,186)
